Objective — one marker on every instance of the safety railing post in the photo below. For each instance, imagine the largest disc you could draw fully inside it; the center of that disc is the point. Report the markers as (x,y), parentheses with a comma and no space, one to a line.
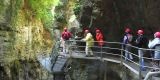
(69,44)
(123,70)
(140,66)
(101,52)
(121,54)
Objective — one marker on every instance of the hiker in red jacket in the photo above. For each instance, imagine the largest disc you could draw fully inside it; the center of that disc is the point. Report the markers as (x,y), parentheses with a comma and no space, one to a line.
(99,38)
(66,35)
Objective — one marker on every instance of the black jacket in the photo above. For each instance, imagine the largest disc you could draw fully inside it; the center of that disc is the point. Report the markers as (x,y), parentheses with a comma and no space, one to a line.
(141,41)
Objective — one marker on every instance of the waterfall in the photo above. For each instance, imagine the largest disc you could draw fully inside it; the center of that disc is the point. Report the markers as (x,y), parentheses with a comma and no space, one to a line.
(45,61)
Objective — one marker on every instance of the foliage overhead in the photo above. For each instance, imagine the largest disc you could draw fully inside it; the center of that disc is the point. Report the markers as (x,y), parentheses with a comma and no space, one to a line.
(42,10)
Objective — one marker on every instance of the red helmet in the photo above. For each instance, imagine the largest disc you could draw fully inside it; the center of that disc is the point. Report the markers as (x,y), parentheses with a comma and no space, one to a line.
(86,31)
(140,32)
(97,31)
(157,35)
(127,30)
(65,29)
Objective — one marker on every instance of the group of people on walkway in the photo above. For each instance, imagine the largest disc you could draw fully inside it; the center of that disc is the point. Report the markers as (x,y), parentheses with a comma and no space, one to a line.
(88,38)
(142,43)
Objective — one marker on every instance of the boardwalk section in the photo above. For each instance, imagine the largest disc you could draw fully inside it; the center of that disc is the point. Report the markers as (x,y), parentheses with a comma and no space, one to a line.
(131,66)
(101,53)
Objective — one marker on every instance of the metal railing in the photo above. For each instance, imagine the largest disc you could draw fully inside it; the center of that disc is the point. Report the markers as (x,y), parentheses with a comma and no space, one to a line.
(116,51)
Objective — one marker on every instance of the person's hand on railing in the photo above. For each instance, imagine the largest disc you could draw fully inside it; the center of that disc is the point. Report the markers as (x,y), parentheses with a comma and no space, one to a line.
(82,40)
(76,37)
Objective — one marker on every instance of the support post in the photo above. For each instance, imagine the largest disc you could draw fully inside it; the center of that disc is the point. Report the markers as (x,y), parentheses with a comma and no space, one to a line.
(105,72)
(101,52)
(124,69)
(122,48)
(140,72)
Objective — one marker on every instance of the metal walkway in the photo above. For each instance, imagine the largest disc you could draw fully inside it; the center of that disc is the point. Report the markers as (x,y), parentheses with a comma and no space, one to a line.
(129,65)
(77,51)
(59,64)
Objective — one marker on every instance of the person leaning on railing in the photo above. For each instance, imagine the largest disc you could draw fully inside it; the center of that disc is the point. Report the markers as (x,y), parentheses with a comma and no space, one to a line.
(127,42)
(89,43)
(155,44)
(99,38)
(141,42)
(66,35)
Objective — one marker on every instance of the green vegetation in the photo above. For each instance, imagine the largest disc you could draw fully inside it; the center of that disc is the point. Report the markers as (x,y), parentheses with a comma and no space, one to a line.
(31,23)
(42,10)
(15,6)
(77,7)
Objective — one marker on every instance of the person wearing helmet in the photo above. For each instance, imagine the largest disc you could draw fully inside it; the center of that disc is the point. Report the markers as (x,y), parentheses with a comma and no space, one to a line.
(155,44)
(66,35)
(127,43)
(141,42)
(89,43)
(99,38)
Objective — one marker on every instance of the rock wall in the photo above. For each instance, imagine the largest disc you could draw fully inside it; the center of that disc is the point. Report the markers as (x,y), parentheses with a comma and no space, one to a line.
(22,37)
(113,16)
(21,34)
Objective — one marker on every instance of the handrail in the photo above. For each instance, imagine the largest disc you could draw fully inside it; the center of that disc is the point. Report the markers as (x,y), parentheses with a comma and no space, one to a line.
(150,74)
(121,49)
(117,43)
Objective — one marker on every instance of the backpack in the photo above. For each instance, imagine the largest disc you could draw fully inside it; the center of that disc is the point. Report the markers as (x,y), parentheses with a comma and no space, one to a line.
(142,42)
(145,42)
(66,35)
(129,39)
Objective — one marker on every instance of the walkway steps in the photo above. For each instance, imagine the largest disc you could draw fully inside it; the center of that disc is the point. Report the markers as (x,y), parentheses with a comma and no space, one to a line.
(59,64)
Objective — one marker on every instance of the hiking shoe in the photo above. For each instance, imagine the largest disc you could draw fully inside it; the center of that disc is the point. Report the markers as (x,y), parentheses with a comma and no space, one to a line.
(87,56)
(91,55)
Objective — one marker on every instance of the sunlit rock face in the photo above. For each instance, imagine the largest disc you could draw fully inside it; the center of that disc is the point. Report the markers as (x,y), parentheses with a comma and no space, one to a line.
(4,6)
(22,36)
